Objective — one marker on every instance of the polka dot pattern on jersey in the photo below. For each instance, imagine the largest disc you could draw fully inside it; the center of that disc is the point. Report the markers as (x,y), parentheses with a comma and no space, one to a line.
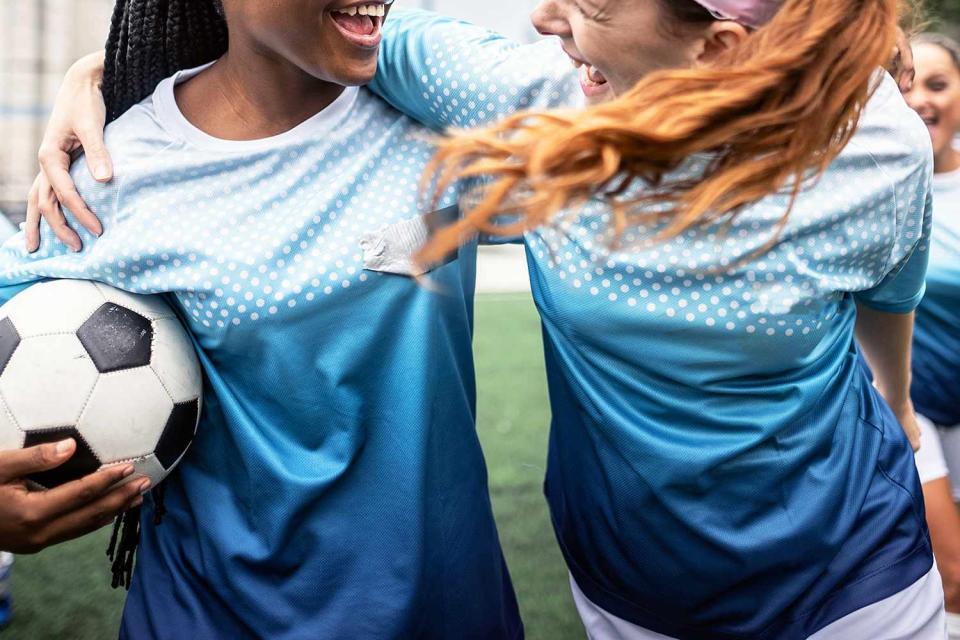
(850,232)
(242,237)
(467,96)
(844,236)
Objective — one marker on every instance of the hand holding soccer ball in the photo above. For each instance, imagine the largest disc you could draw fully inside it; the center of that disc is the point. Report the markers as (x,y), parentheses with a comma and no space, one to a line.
(33,520)
(97,387)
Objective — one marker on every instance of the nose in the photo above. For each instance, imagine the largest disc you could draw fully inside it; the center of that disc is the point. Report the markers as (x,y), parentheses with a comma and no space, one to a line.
(549,19)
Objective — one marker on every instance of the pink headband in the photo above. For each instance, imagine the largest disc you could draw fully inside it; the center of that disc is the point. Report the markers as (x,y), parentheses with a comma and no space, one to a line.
(752,13)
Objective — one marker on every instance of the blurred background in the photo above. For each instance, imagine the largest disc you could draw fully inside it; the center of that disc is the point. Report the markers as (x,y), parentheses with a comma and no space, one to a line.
(40,39)
(942,15)
(63,593)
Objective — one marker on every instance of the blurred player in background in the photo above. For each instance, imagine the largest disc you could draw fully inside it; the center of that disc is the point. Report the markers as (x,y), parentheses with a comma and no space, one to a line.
(936,345)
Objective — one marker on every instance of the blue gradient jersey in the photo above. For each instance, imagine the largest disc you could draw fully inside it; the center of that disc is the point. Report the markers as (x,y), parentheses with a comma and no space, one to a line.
(719,465)
(337,487)
(936,342)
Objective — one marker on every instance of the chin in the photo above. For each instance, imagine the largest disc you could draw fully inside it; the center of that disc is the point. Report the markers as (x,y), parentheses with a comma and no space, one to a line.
(357,76)
(600,98)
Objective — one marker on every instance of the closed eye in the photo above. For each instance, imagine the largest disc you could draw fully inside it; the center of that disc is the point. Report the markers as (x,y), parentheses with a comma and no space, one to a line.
(590,11)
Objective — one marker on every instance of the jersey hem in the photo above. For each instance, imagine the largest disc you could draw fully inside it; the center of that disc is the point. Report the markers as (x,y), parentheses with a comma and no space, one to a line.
(859,594)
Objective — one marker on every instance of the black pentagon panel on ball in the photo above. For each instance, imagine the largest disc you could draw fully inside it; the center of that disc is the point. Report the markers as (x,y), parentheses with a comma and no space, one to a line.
(9,341)
(179,432)
(82,463)
(117,338)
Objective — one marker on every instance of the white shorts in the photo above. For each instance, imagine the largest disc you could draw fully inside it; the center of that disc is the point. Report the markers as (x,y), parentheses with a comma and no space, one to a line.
(939,453)
(915,613)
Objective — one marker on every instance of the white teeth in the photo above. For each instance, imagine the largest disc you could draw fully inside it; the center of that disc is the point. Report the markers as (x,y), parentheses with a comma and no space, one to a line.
(373,10)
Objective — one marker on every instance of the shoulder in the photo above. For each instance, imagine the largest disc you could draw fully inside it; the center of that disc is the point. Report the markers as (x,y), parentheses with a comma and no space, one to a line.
(375,113)
(892,133)
(136,133)
(888,164)
(132,139)
(139,129)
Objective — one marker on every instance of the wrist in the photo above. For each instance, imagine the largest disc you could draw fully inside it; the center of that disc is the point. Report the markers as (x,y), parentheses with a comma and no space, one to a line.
(88,69)
(900,403)
(897,395)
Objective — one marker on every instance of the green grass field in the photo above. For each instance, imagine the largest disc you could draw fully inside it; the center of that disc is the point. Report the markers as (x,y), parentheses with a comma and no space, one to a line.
(63,593)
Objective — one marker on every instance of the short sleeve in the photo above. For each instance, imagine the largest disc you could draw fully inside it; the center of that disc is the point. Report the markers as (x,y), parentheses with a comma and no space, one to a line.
(445,73)
(903,286)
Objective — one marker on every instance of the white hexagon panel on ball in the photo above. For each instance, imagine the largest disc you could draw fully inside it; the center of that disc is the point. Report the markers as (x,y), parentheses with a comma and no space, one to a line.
(115,371)
(47,382)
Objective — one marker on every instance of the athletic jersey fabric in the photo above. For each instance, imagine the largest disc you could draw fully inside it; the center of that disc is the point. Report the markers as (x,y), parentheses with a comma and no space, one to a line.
(719,465)
(916,613)
(337,486)
(936,341)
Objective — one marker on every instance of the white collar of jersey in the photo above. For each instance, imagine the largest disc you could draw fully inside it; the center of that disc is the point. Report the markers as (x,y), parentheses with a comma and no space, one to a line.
(178,126)
(947,180)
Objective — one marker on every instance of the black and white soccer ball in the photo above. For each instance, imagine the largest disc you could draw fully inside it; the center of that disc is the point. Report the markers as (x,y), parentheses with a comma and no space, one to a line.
(115,371)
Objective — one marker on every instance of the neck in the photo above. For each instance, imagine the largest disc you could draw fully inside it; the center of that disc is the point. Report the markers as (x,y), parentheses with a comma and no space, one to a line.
(946,160)
(250,94)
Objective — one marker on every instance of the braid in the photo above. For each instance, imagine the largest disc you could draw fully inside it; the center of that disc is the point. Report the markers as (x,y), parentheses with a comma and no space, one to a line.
(151,39)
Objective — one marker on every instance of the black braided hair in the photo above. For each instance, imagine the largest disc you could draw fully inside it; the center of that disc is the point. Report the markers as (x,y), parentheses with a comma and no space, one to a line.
(152,39)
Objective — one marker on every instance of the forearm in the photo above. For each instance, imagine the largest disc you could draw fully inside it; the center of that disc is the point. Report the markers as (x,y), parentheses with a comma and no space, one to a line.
(885,341)
(943,520)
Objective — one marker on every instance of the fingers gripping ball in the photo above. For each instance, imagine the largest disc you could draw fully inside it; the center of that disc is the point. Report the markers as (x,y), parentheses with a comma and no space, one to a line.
(113,370)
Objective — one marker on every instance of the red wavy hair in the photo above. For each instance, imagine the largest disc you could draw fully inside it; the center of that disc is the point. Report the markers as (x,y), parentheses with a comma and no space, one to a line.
(770,113)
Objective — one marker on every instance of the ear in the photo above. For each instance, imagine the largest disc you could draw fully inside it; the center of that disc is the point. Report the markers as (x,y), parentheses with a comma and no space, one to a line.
(719,37)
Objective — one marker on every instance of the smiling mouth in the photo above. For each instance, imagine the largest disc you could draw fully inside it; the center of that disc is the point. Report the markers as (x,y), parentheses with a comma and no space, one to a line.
(361,23)
(590,76)
(593,76)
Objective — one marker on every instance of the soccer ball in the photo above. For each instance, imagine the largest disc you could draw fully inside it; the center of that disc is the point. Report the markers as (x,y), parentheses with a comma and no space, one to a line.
(112,370)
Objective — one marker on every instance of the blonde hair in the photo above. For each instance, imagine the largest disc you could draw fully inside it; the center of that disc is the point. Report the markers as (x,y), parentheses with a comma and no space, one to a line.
(771,112)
